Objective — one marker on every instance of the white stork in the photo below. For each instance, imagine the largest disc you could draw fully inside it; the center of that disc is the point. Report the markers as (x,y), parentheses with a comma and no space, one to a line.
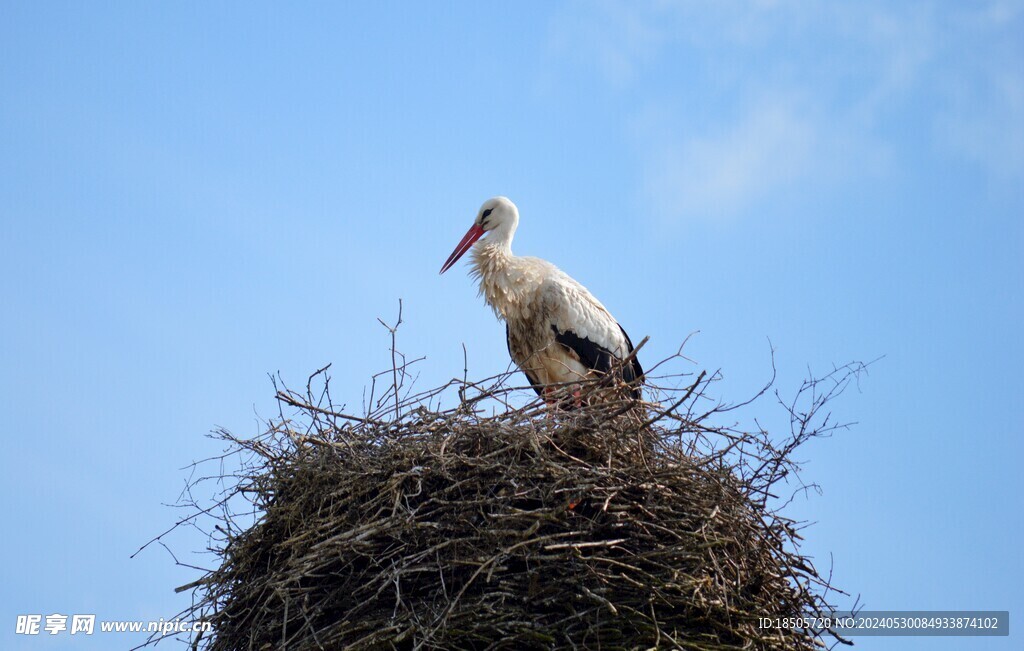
(558,333)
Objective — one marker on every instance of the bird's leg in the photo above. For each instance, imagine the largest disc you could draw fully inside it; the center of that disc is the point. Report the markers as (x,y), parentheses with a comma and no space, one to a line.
(551,402)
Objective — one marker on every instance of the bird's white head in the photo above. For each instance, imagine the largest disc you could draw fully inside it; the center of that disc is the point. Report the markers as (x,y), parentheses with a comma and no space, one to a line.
(497,219)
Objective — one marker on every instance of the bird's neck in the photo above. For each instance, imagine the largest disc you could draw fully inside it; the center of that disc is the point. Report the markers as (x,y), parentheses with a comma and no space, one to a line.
(491,259)
(493,254)
(501,280)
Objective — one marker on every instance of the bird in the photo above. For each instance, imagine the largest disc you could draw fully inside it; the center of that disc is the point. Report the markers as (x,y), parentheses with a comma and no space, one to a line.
(557,333)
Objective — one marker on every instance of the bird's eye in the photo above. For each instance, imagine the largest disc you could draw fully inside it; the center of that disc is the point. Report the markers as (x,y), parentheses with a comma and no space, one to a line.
(487,213)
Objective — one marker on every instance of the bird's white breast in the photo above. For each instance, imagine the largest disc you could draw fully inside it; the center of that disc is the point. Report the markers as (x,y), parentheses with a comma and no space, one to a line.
(510,285)
(533,297)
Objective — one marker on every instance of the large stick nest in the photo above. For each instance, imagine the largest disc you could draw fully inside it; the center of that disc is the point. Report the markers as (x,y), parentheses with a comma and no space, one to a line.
(612,525)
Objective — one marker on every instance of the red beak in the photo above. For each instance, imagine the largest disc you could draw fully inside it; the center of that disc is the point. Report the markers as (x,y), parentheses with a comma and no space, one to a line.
(474,233)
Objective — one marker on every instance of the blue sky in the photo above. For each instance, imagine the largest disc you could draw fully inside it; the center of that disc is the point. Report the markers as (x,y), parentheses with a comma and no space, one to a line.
(192,197)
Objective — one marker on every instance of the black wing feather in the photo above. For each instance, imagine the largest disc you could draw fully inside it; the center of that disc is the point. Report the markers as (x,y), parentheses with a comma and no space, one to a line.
(634,371)
(591,355)
(600,358)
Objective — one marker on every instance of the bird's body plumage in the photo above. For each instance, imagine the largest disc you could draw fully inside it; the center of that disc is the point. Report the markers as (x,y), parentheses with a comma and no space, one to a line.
(557,332)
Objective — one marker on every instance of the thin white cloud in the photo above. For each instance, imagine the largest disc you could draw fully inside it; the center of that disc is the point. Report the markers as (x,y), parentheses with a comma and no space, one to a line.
(775,147)
(813,90)
(614,38)
(721,174)
(981,116)
(991,132)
